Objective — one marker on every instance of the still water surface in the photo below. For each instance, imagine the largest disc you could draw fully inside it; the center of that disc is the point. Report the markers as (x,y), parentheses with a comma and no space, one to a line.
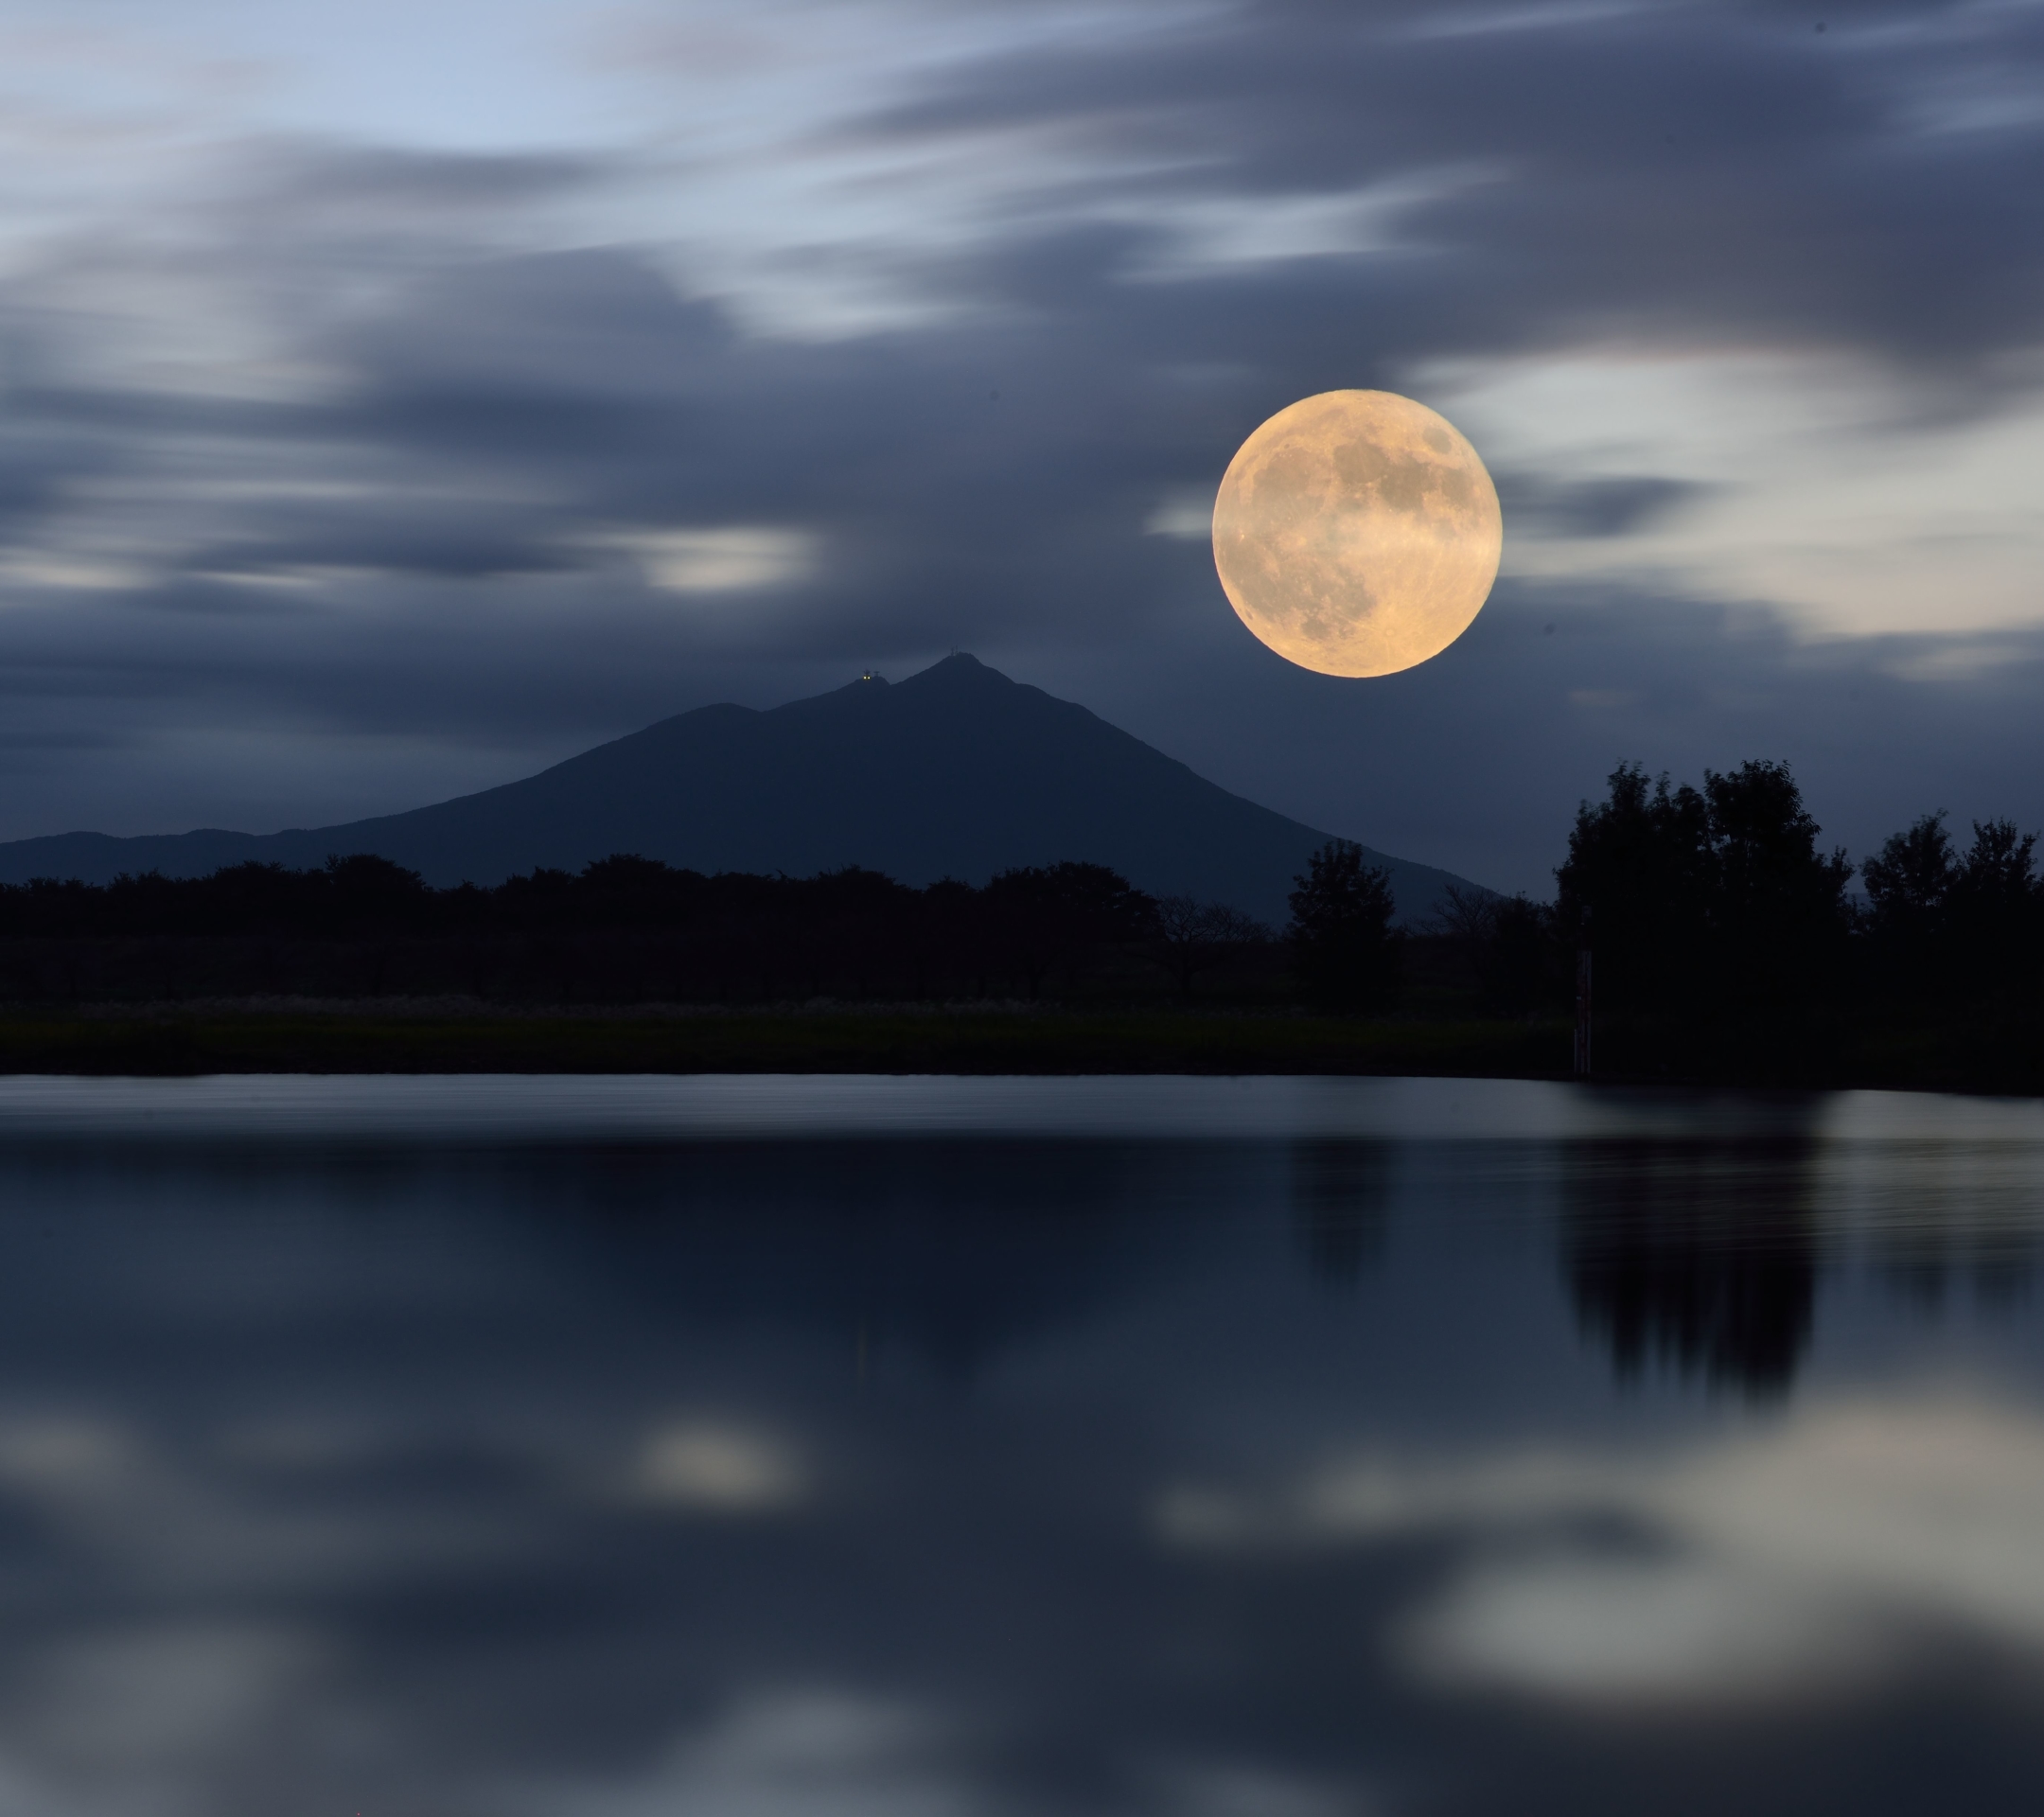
(835,1447)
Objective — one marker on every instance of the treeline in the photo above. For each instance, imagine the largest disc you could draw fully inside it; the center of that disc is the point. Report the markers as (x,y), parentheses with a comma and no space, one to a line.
(1722,905)
(629,929)
(1715,914)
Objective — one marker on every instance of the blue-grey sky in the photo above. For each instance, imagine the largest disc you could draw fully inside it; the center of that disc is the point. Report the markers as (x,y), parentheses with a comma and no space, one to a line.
(396,398)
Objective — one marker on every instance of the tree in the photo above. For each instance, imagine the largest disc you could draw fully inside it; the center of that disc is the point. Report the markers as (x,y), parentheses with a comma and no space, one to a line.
(1508,944)
(1054,915)
(1908,884)
(363,890)
(1779,908)
(1638,877)
(1698,898)
(1187,936)
(1994,912)
(1344,952)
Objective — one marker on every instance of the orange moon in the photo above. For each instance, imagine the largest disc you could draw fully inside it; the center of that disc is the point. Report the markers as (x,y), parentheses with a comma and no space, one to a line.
(1357,532)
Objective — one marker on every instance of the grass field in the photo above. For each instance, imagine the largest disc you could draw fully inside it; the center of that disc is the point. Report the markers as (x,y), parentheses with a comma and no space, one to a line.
(374,1037)
(462,1035)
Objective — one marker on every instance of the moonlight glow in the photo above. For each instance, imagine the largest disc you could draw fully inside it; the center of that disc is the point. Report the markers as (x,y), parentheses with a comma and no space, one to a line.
(1357,532)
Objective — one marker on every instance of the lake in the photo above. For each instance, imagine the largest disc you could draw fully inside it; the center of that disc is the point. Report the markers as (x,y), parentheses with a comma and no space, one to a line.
(830,1447)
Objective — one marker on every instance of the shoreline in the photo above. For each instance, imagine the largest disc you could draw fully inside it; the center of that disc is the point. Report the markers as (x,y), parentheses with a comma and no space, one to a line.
(380,1036)
(465,1035)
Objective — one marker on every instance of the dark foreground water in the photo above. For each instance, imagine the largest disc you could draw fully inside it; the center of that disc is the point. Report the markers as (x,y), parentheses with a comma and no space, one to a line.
(903,1448)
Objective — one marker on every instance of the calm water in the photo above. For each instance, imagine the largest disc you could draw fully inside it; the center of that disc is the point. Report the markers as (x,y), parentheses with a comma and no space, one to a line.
(784,1448)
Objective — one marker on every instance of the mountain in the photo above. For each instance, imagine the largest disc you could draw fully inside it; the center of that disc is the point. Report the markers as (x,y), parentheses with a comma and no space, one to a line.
(958,771)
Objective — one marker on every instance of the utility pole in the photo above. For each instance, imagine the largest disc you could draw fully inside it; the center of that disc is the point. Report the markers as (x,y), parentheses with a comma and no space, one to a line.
(1583,999)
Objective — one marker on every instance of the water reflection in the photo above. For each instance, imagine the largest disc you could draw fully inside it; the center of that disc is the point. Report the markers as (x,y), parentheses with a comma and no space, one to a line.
(962,1470)
(1341,1198)
(1701,1256)
(950,1251)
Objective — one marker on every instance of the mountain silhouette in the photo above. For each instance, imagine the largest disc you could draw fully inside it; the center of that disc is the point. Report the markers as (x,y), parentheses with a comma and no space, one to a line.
(958,771)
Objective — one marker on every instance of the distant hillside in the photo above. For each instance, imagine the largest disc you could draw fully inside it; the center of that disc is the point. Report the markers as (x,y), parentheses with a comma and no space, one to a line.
(958,771)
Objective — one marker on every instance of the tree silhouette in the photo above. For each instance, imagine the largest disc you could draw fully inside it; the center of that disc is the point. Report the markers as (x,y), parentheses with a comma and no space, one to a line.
(1908,884)
(1698,1257)
(1995,909)
(1779,908)
(1717,896)
(1508,944)
(1345,952)
(1341,1199)
(1189,937)
(1941,923)
(1639,866)
(1046,917)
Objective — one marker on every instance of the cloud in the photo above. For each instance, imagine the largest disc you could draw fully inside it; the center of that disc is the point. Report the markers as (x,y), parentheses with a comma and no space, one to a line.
(1840,493)
(1219,1788)
(1629,1633)
(1610,507)
(827,1752)
(141,1701)
(718,1470)
(1189,520)
(738,560)
(345,473)
(1802,1559)
(801,1753)
(1671,169)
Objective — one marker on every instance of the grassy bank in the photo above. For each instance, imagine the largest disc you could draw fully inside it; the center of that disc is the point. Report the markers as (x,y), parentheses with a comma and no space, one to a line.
(397,1038)
(464,1036)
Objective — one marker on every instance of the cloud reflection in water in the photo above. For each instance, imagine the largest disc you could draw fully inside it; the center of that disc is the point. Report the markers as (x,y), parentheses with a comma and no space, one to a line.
(1805,1558)
(782,1470)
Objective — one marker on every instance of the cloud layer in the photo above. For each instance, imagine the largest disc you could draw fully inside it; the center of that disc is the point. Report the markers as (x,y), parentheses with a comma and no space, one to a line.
(353,455)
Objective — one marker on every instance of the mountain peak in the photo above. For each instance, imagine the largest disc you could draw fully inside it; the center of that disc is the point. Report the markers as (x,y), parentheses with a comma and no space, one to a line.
(958,672)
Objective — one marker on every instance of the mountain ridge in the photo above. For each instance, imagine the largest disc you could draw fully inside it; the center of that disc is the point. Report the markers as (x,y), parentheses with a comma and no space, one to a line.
(956,770)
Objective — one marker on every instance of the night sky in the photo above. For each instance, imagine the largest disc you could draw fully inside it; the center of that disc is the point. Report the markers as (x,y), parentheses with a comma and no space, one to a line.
(398,397)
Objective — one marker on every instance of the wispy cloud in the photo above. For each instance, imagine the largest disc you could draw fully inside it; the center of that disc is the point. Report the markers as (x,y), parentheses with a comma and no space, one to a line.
(938,325)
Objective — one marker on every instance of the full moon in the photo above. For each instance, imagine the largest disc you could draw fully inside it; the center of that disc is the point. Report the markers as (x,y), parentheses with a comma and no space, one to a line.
(1357,532)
